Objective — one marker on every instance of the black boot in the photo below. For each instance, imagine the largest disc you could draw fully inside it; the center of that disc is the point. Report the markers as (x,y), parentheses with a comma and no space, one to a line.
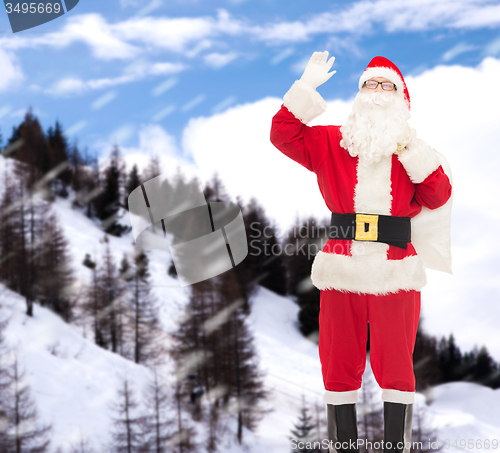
(342,428)
(397,427)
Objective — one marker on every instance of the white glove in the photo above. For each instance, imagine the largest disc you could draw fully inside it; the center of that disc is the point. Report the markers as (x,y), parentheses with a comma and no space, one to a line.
(316,72)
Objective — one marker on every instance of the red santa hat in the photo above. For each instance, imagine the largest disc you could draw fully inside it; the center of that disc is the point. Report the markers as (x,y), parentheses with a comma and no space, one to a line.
(382,67)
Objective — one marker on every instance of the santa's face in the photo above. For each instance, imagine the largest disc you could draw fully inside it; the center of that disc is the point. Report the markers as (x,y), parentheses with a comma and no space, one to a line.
(379,86)
(377,123)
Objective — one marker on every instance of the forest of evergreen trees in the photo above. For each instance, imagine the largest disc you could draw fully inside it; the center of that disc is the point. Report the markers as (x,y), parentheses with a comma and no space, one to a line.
(219,382)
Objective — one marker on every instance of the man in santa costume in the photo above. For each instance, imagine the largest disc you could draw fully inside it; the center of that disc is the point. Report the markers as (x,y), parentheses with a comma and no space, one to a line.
(389,193)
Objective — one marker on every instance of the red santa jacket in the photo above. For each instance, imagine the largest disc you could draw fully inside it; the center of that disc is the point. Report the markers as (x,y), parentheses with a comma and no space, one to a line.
(398,185)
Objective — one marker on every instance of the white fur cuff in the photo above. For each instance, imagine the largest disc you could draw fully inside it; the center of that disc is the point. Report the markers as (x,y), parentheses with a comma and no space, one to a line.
(398,396)
(337,398)
(304,102)
(419,159)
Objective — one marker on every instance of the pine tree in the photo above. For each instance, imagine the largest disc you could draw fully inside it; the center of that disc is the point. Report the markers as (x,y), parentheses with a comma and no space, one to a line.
(58,157)
(14,138)
(32,150)
(371,414)
(215,342)
(6,443)
(27,434)
(133,181)
(85,180)
(423,435)
(159,421)
(194,354)
(215,189)
(10,239)
(425,360)
(84,445)
(303,431)
(24,254)
(55,275)
(321,427)
(107,203)
(34,252)
(104,302)
(18,236)
(450,359)
(92,304)
(183,438)
(302,242)
(265,260)
(486,369)
(144,314)
(128,422)
(241,376)
(152,170)
(111,306)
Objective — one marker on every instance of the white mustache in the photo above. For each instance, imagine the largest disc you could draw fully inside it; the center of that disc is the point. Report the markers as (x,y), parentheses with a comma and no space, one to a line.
(377,98)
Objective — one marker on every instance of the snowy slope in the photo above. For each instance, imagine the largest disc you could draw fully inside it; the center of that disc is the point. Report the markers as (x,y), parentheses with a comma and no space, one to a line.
(74,381)
(458,411)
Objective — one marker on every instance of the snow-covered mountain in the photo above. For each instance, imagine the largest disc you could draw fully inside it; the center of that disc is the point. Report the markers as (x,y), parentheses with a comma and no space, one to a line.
(73,381)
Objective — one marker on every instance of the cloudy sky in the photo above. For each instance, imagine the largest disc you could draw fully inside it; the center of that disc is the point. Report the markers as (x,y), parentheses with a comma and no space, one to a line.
(198,81)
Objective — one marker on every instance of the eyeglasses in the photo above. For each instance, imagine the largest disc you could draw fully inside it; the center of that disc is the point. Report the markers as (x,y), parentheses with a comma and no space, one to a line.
(372,85)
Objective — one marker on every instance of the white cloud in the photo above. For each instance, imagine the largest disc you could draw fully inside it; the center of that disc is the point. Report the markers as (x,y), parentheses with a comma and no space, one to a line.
(11,75)
(125,3)
(193,102)
(224,104)
(105,99)
(91,29)
(5,110)
(188,36)
(492,48)
(177,34)
(151,6)
(76,127)
(457,50)
(455,110)
(360,18)
(136,71)
(165,86)
(285,53)
(153,140)
(127,39)
(164,112)
(218,60)
(122,134)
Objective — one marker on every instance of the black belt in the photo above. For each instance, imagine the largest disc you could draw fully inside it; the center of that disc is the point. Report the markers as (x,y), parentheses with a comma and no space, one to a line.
(368,227)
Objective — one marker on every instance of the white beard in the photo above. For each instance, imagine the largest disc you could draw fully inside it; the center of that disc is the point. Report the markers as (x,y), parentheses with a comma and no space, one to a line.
(376,124)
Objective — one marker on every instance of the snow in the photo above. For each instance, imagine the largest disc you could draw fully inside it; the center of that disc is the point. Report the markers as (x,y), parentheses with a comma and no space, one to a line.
(73,381)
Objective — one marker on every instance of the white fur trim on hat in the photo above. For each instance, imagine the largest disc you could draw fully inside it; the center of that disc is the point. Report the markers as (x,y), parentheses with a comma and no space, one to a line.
(419,159)
(304,102)
(387,73)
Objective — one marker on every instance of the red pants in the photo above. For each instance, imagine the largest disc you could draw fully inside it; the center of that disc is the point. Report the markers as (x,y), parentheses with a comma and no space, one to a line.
(343,322)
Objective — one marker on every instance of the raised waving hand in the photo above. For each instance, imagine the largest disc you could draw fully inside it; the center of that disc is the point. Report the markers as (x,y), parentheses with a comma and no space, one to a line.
(316,72)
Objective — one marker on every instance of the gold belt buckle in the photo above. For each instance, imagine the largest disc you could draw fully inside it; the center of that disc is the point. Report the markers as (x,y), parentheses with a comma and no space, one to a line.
(362,234)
